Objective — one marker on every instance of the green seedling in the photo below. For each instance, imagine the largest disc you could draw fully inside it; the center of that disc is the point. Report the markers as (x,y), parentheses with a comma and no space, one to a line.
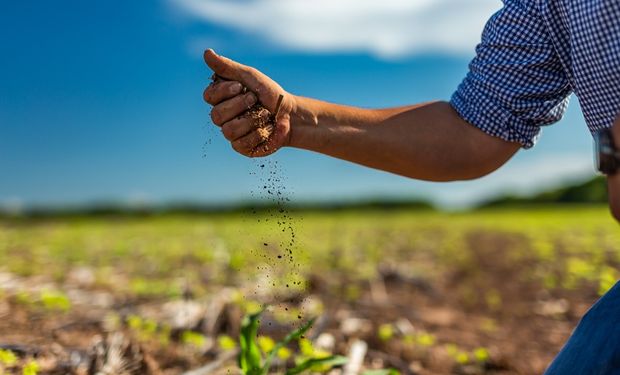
(31,368)
(426,339)
(385,332)
(7,358)
(147,329)
(252,361)
(55,301)
(194,339)
(390,371)
(24,298)
(226,343)
(459,356)
(266,344)
(481,355)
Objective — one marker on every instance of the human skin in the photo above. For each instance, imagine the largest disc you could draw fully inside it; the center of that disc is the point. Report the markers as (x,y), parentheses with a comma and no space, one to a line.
(613,182)
(427,141)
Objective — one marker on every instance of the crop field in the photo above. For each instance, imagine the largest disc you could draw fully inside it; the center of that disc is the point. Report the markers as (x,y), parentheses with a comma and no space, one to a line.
(414,292)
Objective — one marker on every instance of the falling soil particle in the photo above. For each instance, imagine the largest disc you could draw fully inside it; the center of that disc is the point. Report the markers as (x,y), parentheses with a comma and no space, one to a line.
(274,191)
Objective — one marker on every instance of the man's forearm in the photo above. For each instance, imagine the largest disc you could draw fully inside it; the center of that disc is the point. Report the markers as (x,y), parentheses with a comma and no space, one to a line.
(426,141)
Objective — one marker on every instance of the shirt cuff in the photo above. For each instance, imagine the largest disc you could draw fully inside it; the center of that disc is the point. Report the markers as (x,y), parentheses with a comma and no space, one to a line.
(488,116)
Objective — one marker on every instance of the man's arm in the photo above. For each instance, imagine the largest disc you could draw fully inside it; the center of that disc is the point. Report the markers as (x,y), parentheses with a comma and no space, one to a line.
(427,141)
(613,182)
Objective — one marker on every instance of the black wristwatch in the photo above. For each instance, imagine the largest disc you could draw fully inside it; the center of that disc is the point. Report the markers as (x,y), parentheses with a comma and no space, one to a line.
(607,154)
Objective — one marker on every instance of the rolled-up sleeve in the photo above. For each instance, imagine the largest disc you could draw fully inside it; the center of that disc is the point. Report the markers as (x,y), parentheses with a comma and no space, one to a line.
(516,83)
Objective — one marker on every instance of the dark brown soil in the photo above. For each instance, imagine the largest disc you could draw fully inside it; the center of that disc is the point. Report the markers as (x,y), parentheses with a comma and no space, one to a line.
(264,121)
(521,337)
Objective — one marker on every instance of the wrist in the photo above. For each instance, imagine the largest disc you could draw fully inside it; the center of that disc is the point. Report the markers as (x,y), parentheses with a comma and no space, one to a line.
(304,121)
(304,112)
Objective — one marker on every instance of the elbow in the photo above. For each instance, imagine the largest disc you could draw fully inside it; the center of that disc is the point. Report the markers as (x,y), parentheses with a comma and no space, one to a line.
(468,171)
(450,173)
(485,155)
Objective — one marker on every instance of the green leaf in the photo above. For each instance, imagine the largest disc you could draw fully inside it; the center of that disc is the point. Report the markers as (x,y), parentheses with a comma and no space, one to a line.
(249,357)
(7,358)
(390,371)
(194,339)
(386,332)
(295,335)
(226,342)
(31,368)
(327,362)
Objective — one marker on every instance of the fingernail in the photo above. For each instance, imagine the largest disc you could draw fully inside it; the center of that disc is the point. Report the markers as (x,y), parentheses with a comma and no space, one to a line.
(235,88)
(250,99)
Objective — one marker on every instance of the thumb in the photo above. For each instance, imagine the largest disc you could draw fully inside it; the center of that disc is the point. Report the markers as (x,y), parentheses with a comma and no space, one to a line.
(225,67)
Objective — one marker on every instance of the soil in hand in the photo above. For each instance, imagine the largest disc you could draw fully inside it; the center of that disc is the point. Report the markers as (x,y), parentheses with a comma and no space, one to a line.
(264,121)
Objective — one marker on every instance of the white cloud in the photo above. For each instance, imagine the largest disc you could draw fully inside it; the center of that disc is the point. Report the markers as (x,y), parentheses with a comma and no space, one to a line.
(387,28)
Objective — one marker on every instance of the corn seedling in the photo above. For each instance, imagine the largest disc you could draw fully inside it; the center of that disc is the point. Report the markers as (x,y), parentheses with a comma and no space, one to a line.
(481,355)
(144,329)
(193,339)
(54,300)
(385,332)
(390,371)
(31,368)
(459,356)
(226,343)
(7,359)
(253,362)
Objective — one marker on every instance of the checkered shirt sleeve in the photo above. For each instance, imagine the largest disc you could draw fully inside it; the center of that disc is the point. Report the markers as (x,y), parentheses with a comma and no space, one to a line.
(516,82)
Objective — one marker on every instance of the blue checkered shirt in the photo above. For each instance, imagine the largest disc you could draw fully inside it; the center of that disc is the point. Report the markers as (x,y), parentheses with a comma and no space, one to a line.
(533,55)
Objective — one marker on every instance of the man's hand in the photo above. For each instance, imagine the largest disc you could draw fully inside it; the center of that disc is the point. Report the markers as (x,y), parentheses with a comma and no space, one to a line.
(230,101)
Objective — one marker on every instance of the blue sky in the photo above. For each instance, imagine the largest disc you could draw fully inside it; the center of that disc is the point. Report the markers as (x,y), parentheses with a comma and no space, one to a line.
(101,101)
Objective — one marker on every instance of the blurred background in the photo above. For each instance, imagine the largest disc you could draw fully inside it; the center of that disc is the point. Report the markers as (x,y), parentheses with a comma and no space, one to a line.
(101,102)
(129,226)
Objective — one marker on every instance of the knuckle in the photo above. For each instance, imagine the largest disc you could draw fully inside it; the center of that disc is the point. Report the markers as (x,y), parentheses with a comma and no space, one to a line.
(249,99)
(250,141)
(216,117)
(237,146)
(234,88)
(206,95)
(228,131)
(254,139)
(243,143)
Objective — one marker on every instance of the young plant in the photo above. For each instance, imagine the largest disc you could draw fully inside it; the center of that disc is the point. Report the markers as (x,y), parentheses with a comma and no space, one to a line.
(7,359)
(251,360)
(31,368)
(55,301)
(390,371)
